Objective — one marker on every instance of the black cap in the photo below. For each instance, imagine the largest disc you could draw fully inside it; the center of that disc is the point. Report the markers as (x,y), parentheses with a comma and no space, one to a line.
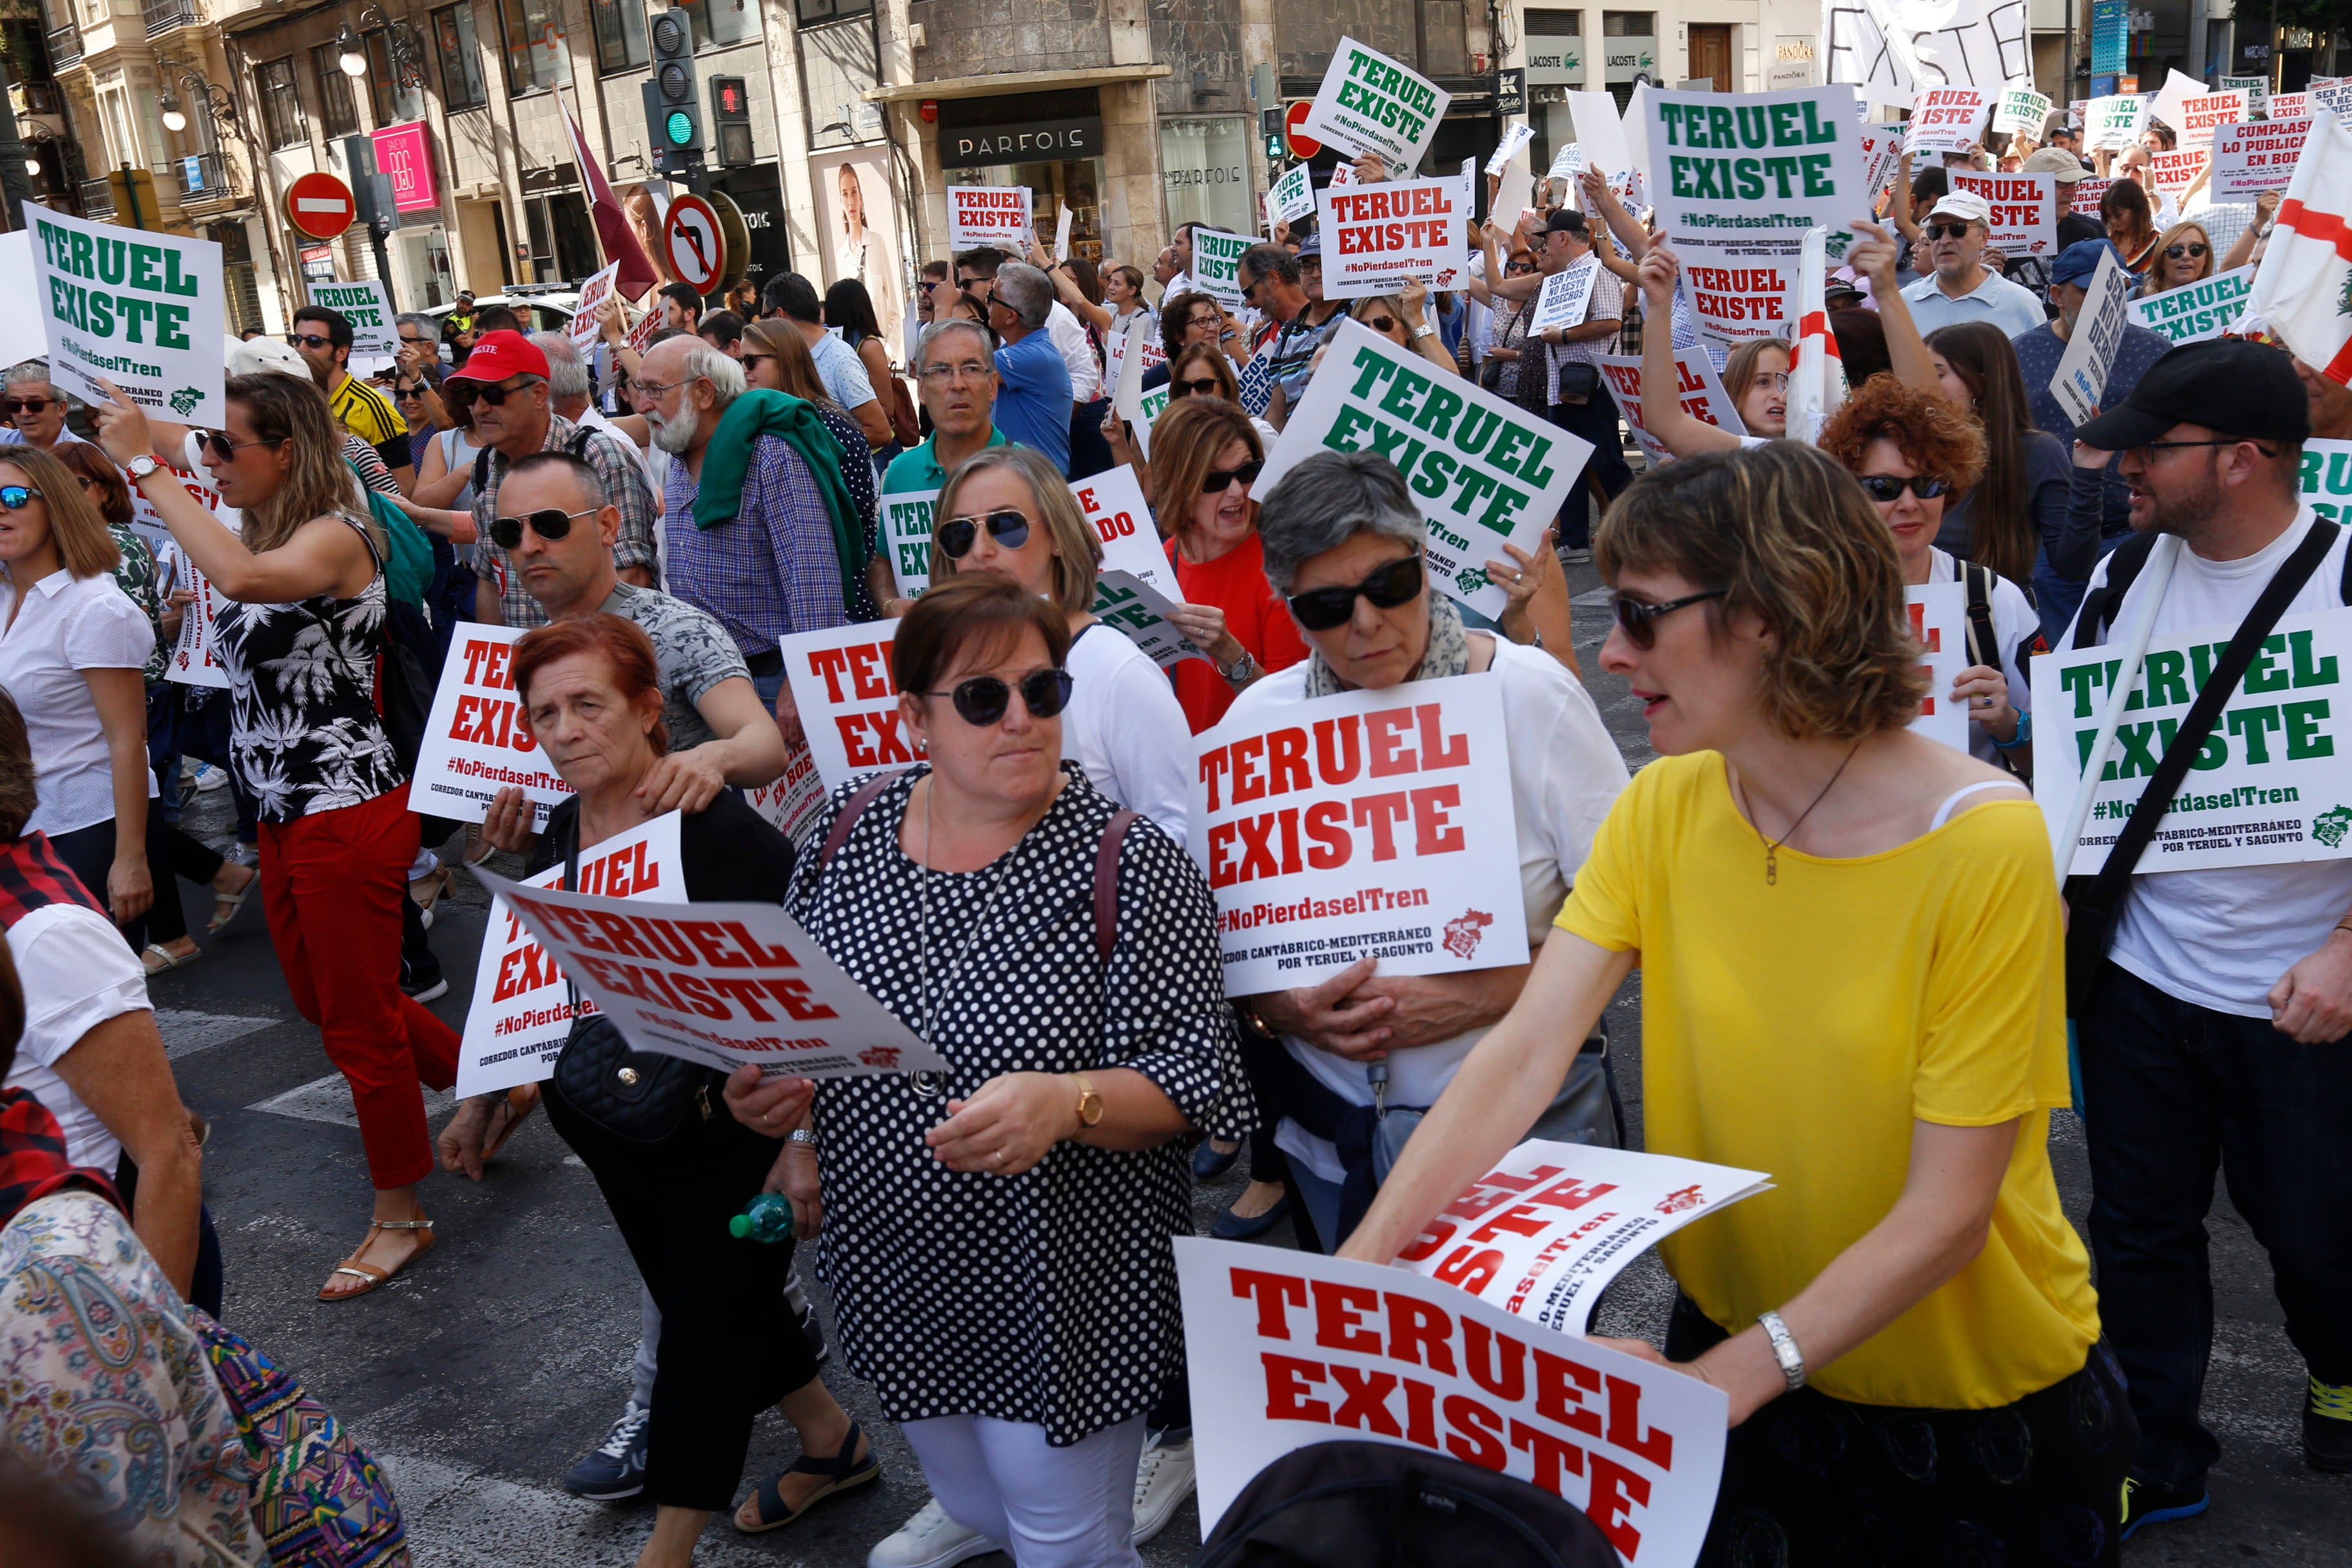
(1566,220)
(2229,385)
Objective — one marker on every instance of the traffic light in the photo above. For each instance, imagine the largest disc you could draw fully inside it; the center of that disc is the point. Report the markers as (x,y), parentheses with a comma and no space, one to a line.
(672,117)
(731,116)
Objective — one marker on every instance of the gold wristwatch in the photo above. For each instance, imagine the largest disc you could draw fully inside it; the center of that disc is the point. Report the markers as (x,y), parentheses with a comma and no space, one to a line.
(1090,1104)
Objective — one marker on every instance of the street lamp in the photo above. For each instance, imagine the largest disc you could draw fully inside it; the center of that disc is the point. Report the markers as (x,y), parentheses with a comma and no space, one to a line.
(349,52)
(175,118)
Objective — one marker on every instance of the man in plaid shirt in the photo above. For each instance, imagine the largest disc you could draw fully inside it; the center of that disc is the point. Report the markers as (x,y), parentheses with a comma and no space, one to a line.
(507,374)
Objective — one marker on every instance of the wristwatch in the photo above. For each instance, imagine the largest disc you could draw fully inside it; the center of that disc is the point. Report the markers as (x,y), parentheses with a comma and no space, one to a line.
(140,467)
(1237,672)
(801,1135)
(1090,1106)
(1423,331)
(1784,1350)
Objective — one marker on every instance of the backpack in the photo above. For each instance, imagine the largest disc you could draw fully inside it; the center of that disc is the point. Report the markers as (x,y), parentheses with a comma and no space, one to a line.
(2123,563)
(408,565)
(1357,1505)
(577,446)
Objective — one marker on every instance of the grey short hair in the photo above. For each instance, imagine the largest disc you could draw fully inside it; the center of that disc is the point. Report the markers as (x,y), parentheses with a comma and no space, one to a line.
(36,372)
(566,376)
(1028,292)
(423,323)
(939,330)
(1262,261)
(1327,499)
(716,366)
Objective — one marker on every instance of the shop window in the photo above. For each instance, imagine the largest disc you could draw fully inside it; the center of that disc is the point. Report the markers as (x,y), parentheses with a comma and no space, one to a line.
(620,33)
(563,241)
(721,24)
(537,59)
(814,12)
(461,58)
(281,103)
(338,115)
(1204,171)
(1629,24)
(1555,24)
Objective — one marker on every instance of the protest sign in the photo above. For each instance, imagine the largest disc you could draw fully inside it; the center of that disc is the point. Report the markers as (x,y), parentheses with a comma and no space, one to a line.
(2336,96)
(906,538)
(369,310)
(1738,178)
(1366,825)
(1487,471)
(1293,195)
(1285,1349)
(2206,113)
(791,803)
(990,214)
(586,328)
(1343,175)
(728,985)
(22,336)
(2252,158)
(1948,120)
(2081,377)
(2326,478)
(2024,210)
(2173,172)
(196,659)
(1543,1232)
(1377,238)
(138,307)
(1882,158)
(2086,193)
(2111,123)
(2021,111)
(1140,612)
(848,701)
(641,335)
(2257,90)
(1370,103)
(1566,163)
(1514,193)
(1565,296)
(478,739)
(1062,231)
(2197,310)
(2274,782)
(1254,388)
(522,1009)
(1601,132)
(1939,619)
(149,525)
(1114,506)
(1894,49)
(1701,391)
(1216,265)
(2288,106)
(1516,137)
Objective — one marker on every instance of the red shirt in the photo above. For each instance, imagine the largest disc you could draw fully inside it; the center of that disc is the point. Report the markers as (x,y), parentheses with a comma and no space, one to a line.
(1235,583)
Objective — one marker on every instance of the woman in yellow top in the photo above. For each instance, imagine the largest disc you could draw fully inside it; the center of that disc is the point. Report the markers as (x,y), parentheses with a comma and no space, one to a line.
(1850,940)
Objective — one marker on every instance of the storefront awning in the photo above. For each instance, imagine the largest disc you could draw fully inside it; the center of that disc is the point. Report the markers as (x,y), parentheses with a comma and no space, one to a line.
(1006,83)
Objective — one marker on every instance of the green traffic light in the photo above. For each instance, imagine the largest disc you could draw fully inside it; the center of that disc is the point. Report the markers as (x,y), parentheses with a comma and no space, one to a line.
(680,128)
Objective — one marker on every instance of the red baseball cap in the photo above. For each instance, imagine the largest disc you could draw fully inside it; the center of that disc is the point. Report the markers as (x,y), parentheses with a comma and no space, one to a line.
(499,355)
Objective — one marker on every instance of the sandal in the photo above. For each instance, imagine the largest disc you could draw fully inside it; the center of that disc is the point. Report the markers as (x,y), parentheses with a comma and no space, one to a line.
(844,1468)
(225,905)
(369,1271)
(430,890)
(161,960)
(515,1119)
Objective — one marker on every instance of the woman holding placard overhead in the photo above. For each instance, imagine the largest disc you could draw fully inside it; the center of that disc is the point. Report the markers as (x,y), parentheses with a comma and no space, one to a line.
(1904,1326)
(301,636)
(997,1236)
(1755,377)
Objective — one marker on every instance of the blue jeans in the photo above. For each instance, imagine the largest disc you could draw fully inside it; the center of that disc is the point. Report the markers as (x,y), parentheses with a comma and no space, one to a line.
(2172,1092)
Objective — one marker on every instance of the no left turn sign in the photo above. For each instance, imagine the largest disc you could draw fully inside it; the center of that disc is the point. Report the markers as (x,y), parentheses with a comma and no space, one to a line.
(690,236)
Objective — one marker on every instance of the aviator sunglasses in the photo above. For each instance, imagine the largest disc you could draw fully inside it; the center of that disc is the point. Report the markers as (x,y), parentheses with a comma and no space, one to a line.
(984,699)
(959,534)
(1398,583)
(547,523)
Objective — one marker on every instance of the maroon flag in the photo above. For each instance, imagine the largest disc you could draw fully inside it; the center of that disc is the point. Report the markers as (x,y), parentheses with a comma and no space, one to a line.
(613,231)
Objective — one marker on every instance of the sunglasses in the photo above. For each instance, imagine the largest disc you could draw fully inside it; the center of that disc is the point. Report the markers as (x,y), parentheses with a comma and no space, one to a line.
(414,342)
(1885,488)
(222,449)
(14,496)
(2192,249)
(309,341)
(1206,386)
(13,406)
(1217,479)
(984,699)
(408,394)
(748,360)
(1639,621)
(1398,583)
(496,396)
(550,523)
(1944,230)
(959,534)
(1381,324)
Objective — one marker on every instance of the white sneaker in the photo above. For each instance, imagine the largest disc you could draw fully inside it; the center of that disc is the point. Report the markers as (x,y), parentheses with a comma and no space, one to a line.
(932,1540)
(1163,1479)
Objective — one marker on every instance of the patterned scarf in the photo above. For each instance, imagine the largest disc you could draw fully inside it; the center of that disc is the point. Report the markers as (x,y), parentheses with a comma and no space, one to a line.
(1448,652)
(33,1157)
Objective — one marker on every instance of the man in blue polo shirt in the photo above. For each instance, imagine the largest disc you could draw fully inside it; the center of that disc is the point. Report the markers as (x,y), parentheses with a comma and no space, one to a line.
(1962,288)
(1033,396)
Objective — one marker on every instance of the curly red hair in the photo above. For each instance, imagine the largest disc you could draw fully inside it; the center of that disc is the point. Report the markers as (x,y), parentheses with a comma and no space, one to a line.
(1933,435)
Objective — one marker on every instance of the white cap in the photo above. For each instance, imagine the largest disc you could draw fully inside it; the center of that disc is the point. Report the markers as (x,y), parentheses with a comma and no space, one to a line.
(1965,204)
(262,356)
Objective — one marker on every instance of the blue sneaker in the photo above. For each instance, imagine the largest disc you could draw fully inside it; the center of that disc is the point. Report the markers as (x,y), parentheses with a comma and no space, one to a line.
(2145,1502)
(615,1467)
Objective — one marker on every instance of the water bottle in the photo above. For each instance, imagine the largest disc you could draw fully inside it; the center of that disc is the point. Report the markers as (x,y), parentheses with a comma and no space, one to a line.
(768,1217)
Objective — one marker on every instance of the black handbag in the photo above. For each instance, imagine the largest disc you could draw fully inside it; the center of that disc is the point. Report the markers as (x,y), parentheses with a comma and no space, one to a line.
(1579,379)
(642,1098)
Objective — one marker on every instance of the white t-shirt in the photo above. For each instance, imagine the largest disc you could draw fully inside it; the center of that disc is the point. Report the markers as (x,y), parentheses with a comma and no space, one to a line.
(1077,351)
(78,972)
(1126,729)
(2014,624)
(68,624)
(2220,939)
(1566,773)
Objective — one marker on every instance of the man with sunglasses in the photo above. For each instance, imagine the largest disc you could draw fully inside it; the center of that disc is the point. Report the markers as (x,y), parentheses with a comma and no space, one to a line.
(2213,1035)
(955,376)
(36,410)
(323,337)
(1962,288)
(1272,281)
(514,415)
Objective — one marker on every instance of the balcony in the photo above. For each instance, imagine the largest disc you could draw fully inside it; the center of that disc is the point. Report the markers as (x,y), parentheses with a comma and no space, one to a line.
(203,179)
(65,47)
(97,198)
(39,96)
(163,16)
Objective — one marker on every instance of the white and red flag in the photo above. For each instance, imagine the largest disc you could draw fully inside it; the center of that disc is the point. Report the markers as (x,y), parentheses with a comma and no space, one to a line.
(1816,374)
(2303,293)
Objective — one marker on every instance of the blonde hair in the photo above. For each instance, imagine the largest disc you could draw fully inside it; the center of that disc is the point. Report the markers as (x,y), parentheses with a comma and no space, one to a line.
(85,548)
(2164,240)
(1077,554)
(1791,539)
(319,482)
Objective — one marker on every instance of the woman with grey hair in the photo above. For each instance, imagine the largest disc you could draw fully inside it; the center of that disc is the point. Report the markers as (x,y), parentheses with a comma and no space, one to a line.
(1343,542)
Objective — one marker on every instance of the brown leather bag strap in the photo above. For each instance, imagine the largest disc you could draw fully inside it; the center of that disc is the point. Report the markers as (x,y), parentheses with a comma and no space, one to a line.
(851,810)
(1107,884)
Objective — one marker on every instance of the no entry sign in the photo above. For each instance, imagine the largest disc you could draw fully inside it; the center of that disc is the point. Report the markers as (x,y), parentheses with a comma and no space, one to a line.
(321,206)
(1293,121)
(690,236)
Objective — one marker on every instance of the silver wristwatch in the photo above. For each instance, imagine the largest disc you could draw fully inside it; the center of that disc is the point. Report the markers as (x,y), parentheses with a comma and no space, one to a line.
(801,1135)
(1784,1350)
(1237,672)
(140,467)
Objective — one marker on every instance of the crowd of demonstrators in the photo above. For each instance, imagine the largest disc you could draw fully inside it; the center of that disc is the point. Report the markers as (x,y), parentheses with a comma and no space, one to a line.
(1198,370)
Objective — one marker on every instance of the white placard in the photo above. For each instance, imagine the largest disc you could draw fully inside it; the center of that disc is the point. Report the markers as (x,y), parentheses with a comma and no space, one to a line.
(1377,238)
(2249,159)
(21,333)
(138,307)
(1486,473)
(791,803)
(1601,131)
(522,1009)
(2085,194)
(1514,138)
(1543,1232)
(1285,1349)
(1702,394)
(1366,825)
(2257,90)
(2081,377)
(368,309)
(2326,478)
(848,701)
(1948,120)
(2206,113)
(1140,612)
(1114,506)
(990,214)
(478,739)
(2024,210)
(1565,296)
(587,328)
(2173,172)
(196,659)
(2112,123)
(905,539)
(1216,264)
(2021,111)
(2274,782)
(2288,106)
(1062,232)
(1939,619)
(1882,158)
(1370,103)
(1293,195)
(1514,193)
(728,985)
(1566,163)
(1893,50)
(2195,312)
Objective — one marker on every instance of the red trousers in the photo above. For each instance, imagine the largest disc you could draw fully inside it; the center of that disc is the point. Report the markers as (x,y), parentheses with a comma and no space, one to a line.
(331,884)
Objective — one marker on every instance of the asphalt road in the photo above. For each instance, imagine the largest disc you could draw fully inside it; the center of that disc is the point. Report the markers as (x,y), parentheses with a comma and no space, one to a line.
(482,1372)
